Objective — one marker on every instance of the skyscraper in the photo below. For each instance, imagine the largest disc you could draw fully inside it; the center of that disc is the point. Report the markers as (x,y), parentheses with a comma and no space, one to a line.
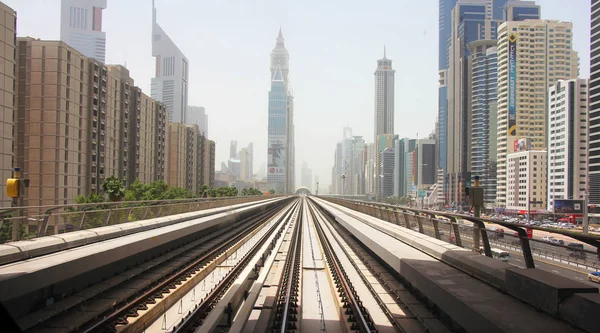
(281,155)
(233,149)
(384,96)
(470,21)
(525,115)
(81,27)
(445,21)
(567,140)
(594,144)
(170,81)
(306,179)
(483,66)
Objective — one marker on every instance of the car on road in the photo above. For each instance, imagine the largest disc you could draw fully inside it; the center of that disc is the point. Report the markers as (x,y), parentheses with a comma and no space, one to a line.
(594,277)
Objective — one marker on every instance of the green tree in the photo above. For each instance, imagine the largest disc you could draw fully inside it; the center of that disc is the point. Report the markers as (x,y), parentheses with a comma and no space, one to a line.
(245,191)
(6,230)
(272,191)
(113,186)
(204,191)
(177,193)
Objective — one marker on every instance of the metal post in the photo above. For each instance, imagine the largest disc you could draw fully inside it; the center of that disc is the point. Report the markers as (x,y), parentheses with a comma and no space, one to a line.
(476,213)
(585,222)
(16,203)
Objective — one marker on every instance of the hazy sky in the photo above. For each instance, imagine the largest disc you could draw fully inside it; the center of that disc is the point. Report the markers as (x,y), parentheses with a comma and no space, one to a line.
(333,46)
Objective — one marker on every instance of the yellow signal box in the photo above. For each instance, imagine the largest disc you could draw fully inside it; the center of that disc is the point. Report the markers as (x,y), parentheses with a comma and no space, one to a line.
(12,187)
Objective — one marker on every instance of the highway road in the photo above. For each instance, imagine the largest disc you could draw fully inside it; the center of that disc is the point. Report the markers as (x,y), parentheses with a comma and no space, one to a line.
(549,264)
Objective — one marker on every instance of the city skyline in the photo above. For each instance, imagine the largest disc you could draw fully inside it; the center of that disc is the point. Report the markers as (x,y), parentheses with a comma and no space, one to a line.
(335,48)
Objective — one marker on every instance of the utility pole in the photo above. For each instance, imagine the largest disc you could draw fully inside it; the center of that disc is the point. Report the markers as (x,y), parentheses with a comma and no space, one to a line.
(317,192)
(343,183)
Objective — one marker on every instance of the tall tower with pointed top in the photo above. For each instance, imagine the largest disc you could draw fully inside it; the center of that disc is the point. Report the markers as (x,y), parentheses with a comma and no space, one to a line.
(170,81)
(281,159)
(384,96)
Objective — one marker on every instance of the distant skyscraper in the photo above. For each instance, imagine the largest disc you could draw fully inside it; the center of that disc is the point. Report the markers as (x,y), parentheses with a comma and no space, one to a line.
(594,144)
(250,160)
(306,177)
(281,157)
(384,96)
(233,149)
(196,115)
(386,170)
(170,81)
(525,115)
(81,27)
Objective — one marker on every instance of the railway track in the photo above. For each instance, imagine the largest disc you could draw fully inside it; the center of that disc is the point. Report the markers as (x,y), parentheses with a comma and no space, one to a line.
(136,289)
(289,269)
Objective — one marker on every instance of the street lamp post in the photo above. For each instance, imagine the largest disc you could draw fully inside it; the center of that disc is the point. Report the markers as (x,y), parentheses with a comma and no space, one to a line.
(343,183)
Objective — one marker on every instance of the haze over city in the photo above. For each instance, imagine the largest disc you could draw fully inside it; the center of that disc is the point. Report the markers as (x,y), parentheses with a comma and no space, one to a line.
(333,49)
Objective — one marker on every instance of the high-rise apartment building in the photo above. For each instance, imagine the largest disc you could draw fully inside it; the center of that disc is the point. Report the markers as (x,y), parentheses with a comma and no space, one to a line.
(386,172)
(190,158)
(369,160)
(52,121)
(526,180)
(567,140)
(250,165)
(81,27)
(594,96)
(532,56)
(170,81)
(401,147)
(483,68)
(148,131)
(79,121)
(281,156)
(197,115)
(521,11)
(8,26)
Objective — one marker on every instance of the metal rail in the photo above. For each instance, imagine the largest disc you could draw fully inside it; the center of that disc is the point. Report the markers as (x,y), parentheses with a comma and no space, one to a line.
(290,281)
(119,316)
(361,315)
(195,318)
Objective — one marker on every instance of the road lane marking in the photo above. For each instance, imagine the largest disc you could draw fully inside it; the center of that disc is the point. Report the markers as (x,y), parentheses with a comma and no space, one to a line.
(556,272)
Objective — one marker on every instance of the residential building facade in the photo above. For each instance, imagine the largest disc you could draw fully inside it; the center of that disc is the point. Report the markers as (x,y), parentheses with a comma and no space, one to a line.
(8,26)
(523,84)
(567,140)
(526,180)
(594,96)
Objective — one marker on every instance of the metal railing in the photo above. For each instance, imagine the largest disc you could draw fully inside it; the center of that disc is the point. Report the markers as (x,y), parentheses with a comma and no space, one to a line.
(38,221)
(455,228)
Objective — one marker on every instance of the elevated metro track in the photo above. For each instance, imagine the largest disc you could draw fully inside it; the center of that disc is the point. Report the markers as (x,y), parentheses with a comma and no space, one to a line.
(290,264)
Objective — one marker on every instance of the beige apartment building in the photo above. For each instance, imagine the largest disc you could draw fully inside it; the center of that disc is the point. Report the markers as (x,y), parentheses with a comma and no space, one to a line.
(532,56)
(8,26)
(80,121)
(52,121)
(526,174)
(190,158)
